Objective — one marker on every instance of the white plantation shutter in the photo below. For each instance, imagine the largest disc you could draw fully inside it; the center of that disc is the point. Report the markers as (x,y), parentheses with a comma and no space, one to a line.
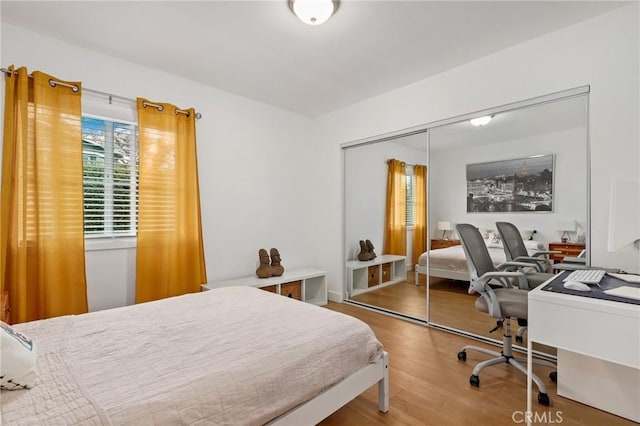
(110,166)
(411,206)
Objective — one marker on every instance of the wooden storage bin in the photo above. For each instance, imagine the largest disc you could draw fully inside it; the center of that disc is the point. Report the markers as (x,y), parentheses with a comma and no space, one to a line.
(386,272)
(374,275)
(270,288)
(292,290)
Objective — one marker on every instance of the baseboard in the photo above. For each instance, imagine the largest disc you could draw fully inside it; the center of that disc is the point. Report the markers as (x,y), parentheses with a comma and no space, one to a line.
(336,296)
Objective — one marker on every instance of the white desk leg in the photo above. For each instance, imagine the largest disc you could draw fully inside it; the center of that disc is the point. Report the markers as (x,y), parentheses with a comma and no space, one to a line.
(529,373)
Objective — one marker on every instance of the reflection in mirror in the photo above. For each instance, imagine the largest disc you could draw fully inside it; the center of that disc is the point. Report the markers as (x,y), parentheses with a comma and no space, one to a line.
(526,166)
(386,281)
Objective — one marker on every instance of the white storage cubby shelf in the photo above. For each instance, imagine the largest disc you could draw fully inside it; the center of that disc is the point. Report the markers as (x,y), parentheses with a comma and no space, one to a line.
(313,286)
(384,270)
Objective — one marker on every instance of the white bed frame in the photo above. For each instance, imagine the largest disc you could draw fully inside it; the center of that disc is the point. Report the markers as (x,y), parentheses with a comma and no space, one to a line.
(338,395)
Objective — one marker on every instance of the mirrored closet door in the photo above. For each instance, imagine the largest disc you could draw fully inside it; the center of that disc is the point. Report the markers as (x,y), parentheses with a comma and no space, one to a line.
(528,166)
(371,213)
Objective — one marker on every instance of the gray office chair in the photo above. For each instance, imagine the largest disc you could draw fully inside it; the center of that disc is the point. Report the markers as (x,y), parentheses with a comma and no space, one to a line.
(503,302)
(515,250)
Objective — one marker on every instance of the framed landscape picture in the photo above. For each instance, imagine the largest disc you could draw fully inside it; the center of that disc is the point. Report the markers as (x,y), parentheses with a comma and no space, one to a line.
(519,185)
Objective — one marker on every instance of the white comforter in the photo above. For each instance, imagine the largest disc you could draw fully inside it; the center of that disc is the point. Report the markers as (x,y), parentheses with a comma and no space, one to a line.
(233,355)
(454,259)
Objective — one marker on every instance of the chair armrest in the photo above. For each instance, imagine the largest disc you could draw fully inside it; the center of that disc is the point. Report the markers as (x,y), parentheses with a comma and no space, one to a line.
(512,265)
(536,262)
(481,284)
(577,260)
(541,253)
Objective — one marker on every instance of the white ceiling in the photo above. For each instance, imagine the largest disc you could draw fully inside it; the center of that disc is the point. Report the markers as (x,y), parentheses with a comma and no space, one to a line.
(259,50)
(512,125)
(520,123)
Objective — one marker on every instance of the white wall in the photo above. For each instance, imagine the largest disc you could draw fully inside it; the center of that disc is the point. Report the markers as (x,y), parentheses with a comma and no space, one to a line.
(601,52)
(272,178)
(447,177)
(254,165)
(366,190)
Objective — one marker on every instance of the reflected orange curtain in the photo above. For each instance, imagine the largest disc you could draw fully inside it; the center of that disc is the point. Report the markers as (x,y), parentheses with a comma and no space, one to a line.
(41,226)
(420,220)
(395,233)
(170,253)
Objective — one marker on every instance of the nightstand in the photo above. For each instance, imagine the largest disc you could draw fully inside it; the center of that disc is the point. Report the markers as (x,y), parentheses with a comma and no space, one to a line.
(439,243)
(565,249)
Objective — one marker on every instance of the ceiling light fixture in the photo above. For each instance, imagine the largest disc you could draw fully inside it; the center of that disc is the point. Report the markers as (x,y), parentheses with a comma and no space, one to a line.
(481,121)
(313,12)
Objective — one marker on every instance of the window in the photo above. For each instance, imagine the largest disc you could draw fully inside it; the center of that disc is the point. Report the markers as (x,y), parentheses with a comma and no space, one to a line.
(110,177)
(411,206)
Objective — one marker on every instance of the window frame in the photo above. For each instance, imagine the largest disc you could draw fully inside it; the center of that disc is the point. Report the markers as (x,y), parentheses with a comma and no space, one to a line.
(111,240)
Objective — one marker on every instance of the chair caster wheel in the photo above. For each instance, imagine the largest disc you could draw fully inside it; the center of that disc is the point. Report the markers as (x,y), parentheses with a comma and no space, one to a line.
(475,381)
(462,356)
(519,339)
(543,399)
(554,376)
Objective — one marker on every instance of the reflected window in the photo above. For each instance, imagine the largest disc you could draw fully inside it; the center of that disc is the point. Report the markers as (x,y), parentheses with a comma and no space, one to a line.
(411,205)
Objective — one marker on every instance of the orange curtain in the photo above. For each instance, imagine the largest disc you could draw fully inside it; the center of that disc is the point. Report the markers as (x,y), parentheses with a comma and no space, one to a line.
(395,234)
(420,220)
(41,226)
(170,253)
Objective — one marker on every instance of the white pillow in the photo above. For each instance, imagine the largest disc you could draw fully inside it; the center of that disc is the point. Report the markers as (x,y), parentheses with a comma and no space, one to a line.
(527,234)
(494,240)
(486,232)
(533,245)
(18,359)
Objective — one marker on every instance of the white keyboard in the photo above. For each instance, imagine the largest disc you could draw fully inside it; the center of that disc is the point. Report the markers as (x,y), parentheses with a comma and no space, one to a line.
(587,276)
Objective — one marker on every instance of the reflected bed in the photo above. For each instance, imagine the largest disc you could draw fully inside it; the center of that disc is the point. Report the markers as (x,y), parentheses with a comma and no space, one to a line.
(451,262)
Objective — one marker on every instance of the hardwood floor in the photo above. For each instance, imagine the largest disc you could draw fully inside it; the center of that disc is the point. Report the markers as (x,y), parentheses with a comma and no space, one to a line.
(451,305)
(429,386)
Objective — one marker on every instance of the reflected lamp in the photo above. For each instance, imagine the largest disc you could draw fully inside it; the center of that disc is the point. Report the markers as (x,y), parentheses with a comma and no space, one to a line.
(444,227)
(566,226)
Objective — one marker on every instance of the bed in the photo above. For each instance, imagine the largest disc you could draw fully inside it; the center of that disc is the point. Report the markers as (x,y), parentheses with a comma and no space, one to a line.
(235,355)
(451,262)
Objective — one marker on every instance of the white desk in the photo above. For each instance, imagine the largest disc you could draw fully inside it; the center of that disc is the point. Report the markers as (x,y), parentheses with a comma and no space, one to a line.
(598,345)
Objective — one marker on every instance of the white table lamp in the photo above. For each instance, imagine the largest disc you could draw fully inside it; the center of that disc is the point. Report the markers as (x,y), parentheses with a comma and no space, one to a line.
(566,226)
(444,227)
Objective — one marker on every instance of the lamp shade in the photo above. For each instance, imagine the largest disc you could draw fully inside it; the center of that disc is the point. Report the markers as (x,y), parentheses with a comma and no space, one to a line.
(313,12)
(566,225)
(444,226)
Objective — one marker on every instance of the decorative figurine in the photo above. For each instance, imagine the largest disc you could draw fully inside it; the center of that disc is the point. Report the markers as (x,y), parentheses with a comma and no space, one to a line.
(364,252)
(370,247)
(264,269)
(276,268)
